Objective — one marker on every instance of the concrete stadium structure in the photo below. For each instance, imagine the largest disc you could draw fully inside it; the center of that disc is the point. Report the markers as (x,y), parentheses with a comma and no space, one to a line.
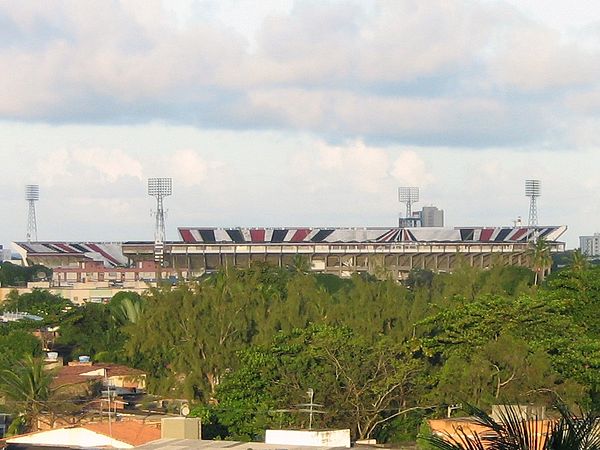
(340,251)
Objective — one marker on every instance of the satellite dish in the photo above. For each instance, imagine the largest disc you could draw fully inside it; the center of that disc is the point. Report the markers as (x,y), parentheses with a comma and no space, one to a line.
(184,410)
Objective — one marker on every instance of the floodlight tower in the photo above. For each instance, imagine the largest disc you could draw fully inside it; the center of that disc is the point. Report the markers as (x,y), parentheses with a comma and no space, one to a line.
(32,195)
(159,188)
(533,189)
(408,195)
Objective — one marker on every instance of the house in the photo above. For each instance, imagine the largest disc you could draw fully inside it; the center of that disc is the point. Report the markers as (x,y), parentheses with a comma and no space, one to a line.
(91,435)
(463,429)
(80,376)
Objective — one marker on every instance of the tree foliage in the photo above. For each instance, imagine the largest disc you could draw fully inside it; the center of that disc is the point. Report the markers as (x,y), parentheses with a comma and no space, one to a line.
(360,384)
(15,275)
(245,345)
(27,388)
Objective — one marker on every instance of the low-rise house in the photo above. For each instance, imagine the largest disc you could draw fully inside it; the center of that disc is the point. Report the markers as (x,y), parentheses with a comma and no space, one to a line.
(463,429)
(81,377)
(91,435)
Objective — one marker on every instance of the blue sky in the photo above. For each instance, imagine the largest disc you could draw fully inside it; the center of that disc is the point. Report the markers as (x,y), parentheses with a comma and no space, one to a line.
(296,112)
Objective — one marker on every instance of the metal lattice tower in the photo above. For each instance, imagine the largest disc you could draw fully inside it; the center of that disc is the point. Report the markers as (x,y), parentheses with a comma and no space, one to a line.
(408,196)
(159,188)
(533,189)
(32,195)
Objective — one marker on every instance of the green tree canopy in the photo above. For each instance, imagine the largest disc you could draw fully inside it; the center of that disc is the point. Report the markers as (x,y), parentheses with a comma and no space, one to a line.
(360,384)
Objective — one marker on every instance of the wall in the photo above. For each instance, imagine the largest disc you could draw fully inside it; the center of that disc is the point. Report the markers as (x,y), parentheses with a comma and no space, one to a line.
(311,438)
(80,295)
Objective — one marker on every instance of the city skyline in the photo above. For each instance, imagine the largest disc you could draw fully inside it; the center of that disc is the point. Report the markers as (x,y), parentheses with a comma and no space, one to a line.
(296,113)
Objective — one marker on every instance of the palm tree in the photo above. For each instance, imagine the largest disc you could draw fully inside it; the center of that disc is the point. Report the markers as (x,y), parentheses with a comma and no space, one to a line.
(300,264)
(541,259)
(514,432)
(579,262)
(129,310)
(27,388)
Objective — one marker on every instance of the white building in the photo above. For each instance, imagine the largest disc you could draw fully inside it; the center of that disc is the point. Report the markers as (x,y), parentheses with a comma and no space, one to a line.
(428,216)
(5,254)
(431,216)
(590,245)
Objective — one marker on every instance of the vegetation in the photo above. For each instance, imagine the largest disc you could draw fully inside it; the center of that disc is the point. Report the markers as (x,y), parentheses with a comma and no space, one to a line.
(246,345)
(14,275)
(511,431)
(39,302)
(27,390)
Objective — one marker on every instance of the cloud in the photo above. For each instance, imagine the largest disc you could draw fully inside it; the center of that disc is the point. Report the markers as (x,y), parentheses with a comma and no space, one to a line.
(359,169)
(190,168)
(88,166)
(410,170)
(475,74)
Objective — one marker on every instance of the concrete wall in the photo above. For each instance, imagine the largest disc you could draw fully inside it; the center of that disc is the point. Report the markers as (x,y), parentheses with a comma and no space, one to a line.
(78,295)
(181,428)
(312,438)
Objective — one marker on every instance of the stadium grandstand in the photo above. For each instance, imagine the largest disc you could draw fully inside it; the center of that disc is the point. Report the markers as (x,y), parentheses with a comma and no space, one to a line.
(340,251)
(65,254)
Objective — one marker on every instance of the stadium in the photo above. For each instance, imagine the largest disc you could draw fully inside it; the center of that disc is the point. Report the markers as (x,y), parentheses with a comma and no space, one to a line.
(339,251)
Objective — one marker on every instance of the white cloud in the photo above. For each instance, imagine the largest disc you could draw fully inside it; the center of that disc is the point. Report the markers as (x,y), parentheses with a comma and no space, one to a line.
(86,166)
(403,72)
(409,169)
(108,165)
(359,168)
(190,168)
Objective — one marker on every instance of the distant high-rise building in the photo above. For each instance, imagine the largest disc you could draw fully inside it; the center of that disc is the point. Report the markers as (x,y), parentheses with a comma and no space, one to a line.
(590,245)
(414,221)
(5,254)
(428,216)
(431,216)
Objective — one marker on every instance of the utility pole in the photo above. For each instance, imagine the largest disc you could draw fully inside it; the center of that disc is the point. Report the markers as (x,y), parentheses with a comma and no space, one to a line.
(108,398)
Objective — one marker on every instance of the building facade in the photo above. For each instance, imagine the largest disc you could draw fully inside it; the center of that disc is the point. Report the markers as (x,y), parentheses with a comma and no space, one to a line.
(5,254)
(431,216)
(340,251)
(428,217)
(590,245)
(344,251)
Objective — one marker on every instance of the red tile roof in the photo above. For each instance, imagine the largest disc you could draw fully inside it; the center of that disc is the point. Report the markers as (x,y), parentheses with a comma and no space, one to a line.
(133,433)
(75,374)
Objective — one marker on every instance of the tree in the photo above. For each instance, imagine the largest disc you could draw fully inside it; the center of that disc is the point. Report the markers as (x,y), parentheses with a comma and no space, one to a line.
(126,308)
(361,385)
(16,344)
(27,389)
(541,259)
(190,334)
(91,330)
(578,262)
(52,308)
(14,275)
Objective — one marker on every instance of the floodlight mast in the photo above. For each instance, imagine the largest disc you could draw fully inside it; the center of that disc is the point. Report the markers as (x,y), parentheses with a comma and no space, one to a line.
(32,195)
(408,195)
(159,188)
(533,190)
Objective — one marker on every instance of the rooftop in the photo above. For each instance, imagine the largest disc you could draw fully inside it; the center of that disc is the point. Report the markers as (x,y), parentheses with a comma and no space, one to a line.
(120,435)
(81,373)
(197,444)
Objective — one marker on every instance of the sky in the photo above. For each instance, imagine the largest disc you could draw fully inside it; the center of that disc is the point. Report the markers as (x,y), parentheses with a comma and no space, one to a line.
(296,113)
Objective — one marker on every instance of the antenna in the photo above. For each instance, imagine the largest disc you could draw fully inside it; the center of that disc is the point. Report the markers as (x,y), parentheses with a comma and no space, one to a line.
(408,195)
(533,189)
(311,405)
(32,195)
(159,188)
(306,408)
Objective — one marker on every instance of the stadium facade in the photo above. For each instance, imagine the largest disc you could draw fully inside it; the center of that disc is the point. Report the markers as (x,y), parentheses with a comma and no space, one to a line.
(340,251)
